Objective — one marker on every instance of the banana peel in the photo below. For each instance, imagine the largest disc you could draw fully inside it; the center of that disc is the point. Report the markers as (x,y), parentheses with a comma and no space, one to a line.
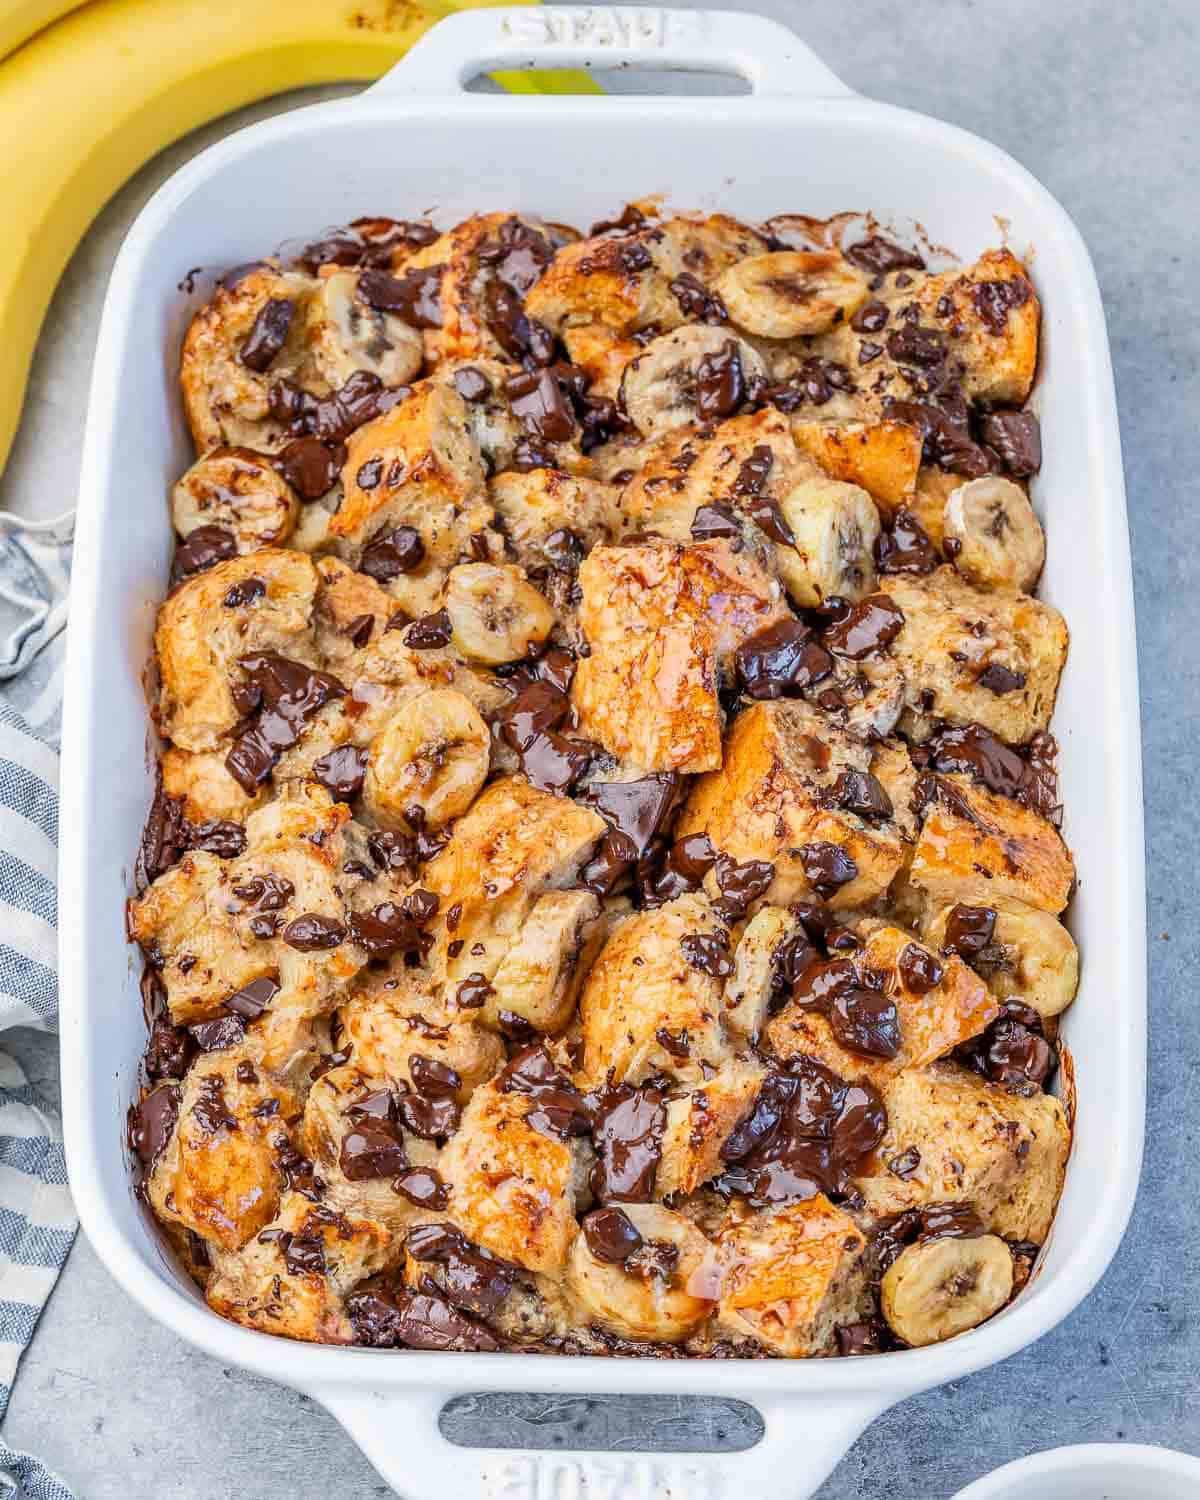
(88,99)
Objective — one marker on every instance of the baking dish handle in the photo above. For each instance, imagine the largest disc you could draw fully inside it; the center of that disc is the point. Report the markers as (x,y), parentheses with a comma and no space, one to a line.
(802,1442)
(772,59)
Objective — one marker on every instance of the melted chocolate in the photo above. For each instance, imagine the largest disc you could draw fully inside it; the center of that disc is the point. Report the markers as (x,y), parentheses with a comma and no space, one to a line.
(152,1121)
(558,1109)
(866,627)
(906,548)
(202,549)
(268,335)
(383,1318)
(422,1186)
(414,297)
(860,793)
(878,256)
(740,885)
(473,1279)
(627,1132)
(720,383)
(311,467)
(372,1145)
(392,554)
(1015,437)
(826,866)
(708,953)
(312,933)
(781,659)
(713,522)
(395,927)
(611,1236)
(430,632)
(289,694)
(919,969)
(994,300)
(342,772)
(976,752)
(637,809)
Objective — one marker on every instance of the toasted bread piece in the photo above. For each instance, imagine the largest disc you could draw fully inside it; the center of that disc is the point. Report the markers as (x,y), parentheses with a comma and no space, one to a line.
(645,1008)
(782,760)
(880,457)
(975,845)
(993,321)
(534,509)
(624,283)
(974,1142)
(203,783)
(952,633)
(700,1122)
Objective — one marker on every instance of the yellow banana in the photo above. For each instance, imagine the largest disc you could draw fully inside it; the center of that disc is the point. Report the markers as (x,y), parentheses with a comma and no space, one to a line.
(90,98)
(21,19)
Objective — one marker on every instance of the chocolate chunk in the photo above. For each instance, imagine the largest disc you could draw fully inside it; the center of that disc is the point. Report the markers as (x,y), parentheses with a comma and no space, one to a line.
(627,1132)
(911,344)
(429,632)
(871,317)
(313,933)
(867,1022)
(905,1165)
(557,1109)
(311,467)
(714,521)
(654,1260)
(304,1254)
(383,1319)
(696,301)
(341,772)
(519,336)
(740,885)
(422,1186)
(473,1278)
(414,297)
(471,384)
(631,219)
(676,1043)
(945,436)
(969,930)
(252,999)
(539,404)
(708,953)
(861,793)
(394,927)
(289,695)
(518,255)
(473,992)
(210,1111)
(169,1050)
(906,548)
(218,1034)
(919,970)
(243,593)
(610,1235)
(866,627)
(720,383)
(152,1121)
(998,678)
(360,629)
(826,866)
(1013,1051)
(393,553)
(219,836)
(994,300)
(638,809)
(1015,437)
(878,256)
(867,1337)
(268,335)
(372,1145)
(202,549)
(781,659)
(976,752)
(530,724)
(366,242)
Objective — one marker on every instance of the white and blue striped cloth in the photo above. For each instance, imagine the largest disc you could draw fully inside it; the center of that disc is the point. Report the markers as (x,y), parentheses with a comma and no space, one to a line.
(37,1218)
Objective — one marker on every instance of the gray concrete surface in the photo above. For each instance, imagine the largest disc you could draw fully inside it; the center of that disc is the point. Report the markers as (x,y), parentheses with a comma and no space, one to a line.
(1099,99)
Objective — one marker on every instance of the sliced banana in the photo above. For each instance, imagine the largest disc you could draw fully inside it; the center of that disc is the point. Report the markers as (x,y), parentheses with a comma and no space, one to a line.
(238,490)
(937,1288)
(749,988)
(643,1307)
(993,536)
(835,526)
(789,294)
(426,764)
(698,373)
(495,612)
(348,334)
(1031,957)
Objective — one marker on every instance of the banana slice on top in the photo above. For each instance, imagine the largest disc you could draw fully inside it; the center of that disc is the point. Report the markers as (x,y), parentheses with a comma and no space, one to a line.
(428,761)
(993,536)
(937,1288)
(698,373)
(789,294)
(645,1295)
(834,526)
(348,334)
(240,491)
(1029,956)
(496,614)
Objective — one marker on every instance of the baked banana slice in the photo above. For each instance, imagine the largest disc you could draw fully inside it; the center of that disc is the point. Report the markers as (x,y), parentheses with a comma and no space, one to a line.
(645,1295)
(937,1288)
(791,294)
(993,536)
(695,374)
(348,333)
(427,763)
(495,612)
(834,526)
(758,971)
(539,978)
(239,491)
(1030,955)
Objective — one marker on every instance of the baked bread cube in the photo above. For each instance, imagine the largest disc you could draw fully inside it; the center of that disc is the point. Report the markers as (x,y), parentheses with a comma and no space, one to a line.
(294,1277)
(514,844)
(952,635)
(415,469)
(1030,956)
(601,353)
(991,315)
(514,1189)
(662,623)
(976,846)
(220,1173)
(781,796)
(971,1142)
(882,458)
(254,605)
(651,1003)
(201,781)
(550,518)
(624,283)
(789,1278)
(939,1004)
(700,1122)
(539,978)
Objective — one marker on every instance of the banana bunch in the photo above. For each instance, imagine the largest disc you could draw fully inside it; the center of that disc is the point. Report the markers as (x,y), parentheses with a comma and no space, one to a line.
(91,92)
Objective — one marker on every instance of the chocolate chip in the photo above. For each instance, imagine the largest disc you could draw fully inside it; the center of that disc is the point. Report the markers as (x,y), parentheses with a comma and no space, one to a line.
(861,793)
(394,927)
(414,297)
(919,970)
(539,404)
(627,1131)
(708,953)
(714,521)
(610,1235)
(998,678)
(313,933)
(781,659)
(994,300)
(871,317)
(826,866)
(720,383)
(1015,437)
(740,885)
(473,992)
(429,632)
(268,334)
(878,256)
(866,627)
(393,553)
(372,1145)
(202,549)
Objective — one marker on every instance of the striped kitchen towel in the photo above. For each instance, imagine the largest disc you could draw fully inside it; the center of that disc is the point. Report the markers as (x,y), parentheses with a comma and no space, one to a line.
(37,1219)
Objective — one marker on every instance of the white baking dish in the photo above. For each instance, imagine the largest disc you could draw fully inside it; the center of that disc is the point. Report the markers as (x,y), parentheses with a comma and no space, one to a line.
(1093,1471)
(417,143)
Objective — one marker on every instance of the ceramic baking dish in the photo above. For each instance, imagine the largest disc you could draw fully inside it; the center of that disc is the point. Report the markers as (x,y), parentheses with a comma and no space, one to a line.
(418,143)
